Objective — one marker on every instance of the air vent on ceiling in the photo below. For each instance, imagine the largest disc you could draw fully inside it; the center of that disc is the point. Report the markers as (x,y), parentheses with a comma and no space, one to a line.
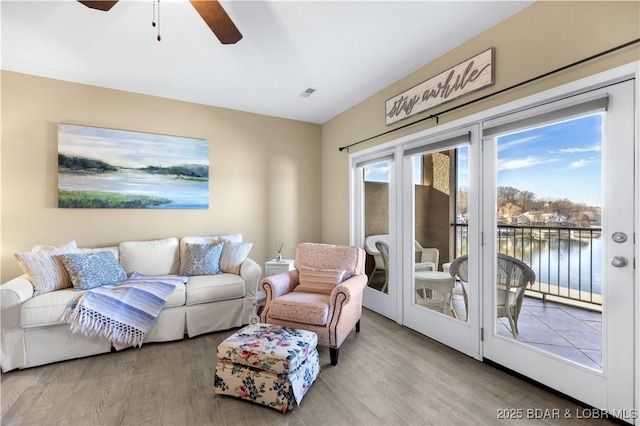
(307,92)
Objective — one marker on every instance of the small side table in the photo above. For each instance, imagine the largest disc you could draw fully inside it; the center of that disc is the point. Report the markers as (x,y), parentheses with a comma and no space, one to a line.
(274,267)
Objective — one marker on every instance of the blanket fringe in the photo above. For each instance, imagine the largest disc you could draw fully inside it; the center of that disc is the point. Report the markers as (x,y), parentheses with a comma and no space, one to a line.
(123,312)
(91,323)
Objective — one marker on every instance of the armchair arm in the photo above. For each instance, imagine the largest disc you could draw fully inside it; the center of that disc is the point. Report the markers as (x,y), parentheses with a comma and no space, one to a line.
(279,284)
(425,266)
(429,255)
(346,308)
(12,294)
(348,289)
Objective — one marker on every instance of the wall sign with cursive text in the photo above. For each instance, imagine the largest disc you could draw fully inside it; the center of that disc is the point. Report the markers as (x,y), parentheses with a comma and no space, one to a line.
(469,76)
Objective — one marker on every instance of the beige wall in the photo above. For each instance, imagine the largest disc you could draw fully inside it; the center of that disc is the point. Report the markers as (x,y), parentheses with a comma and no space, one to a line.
(544,36)
(264,171)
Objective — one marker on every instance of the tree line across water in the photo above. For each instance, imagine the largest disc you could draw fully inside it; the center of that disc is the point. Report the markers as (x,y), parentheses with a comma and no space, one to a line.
(71,164)
(513,202)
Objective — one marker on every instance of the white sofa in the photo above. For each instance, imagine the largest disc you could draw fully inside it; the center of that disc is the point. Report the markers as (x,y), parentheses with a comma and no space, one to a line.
(32,332)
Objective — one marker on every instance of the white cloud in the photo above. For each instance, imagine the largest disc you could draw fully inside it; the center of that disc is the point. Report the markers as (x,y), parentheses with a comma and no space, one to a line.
(592,148)
(583,162)
(377,173)
(521,163)
(508,145)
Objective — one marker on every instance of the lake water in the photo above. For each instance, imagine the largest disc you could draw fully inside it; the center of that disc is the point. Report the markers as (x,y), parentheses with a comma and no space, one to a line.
(561,262)
(182,193)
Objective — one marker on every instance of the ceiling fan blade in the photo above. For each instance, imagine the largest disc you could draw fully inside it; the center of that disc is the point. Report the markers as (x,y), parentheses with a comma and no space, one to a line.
(217,19)
(105,6)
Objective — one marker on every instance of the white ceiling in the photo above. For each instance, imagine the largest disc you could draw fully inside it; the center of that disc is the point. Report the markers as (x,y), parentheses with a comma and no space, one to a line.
(346,50)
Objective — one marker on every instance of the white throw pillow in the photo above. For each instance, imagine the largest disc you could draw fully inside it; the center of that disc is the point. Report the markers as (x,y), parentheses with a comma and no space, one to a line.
(154,257)
(233,254)
(234,238)
(43,268)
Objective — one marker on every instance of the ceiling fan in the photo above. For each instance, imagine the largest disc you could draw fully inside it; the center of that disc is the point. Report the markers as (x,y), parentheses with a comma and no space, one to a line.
(211,12)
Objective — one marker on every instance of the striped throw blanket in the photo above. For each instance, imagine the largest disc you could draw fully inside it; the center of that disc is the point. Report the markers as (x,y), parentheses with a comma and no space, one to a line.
(122,312)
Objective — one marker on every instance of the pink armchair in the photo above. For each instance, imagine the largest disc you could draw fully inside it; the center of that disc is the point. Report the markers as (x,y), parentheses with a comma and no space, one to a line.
(322,294)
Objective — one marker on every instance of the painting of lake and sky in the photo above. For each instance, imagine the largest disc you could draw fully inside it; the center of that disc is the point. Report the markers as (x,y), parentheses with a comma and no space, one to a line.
(104,168)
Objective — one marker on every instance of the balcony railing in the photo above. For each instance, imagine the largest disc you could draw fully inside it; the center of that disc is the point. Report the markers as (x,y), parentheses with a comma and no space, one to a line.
(567,260)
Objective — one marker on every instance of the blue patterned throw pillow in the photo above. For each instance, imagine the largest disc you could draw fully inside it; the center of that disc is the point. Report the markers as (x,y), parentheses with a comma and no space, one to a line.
(89,271)
(201,259)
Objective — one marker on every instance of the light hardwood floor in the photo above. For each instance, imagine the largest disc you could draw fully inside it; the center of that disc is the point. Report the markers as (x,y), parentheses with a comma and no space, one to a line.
(387,375)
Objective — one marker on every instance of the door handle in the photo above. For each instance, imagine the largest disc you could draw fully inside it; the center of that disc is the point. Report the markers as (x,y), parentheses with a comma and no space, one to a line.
(619,262)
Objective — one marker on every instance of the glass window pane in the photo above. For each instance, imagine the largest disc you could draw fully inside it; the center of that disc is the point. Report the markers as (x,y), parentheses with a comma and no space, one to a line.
(440,230)
(376,224)
(549,209)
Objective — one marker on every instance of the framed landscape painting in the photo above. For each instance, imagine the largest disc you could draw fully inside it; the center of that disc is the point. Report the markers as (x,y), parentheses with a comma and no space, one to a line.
(105,168)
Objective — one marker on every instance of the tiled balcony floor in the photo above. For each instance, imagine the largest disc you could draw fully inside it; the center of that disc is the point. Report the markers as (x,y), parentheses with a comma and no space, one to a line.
(567,331)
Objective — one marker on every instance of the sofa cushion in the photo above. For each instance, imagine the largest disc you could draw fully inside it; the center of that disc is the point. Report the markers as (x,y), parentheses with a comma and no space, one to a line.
(201,259)
(314,280)
(155,257)
(178,297)
(305,308)
(213,288)
(47,309)
(233,254)
(92,270)
(44,269)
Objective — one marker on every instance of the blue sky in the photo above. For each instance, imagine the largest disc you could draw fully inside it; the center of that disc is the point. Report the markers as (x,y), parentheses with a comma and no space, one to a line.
(562,160)
(377,172)
(558,161)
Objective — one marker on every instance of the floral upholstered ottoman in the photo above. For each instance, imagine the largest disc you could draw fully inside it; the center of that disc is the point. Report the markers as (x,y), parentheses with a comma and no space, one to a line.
(267,364)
